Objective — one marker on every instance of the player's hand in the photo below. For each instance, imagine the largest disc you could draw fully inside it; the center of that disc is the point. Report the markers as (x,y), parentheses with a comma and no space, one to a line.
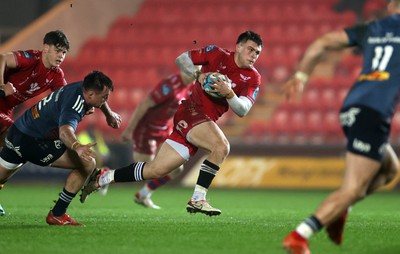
(220,86)
(114,120)
(9,89)
(85,151)
(202,77)
(293,90)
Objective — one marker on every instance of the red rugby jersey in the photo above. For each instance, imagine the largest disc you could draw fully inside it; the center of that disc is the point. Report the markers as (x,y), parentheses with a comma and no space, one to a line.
(30,79)
(245,81)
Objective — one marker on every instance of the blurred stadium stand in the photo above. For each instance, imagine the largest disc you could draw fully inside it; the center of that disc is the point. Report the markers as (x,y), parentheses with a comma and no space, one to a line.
(136,42)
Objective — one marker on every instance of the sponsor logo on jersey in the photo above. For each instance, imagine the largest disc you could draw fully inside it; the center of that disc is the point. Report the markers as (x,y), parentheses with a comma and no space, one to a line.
(388,38)
(375,76)
(361,146)
(210,48)
(33,88)
(255,93)
(47,158)
(5,117)
(26,54)
(166,89)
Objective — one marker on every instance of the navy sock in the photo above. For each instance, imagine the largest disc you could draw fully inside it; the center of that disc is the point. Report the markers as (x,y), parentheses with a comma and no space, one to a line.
(314,223)
(63,202)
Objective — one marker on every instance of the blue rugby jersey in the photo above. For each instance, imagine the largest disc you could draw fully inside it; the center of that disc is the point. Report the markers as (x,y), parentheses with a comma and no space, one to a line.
(378,85)
(65,106)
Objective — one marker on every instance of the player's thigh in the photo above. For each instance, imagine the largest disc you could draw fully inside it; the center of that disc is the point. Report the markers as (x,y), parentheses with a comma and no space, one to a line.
(137,156)
(208,136)
(359,173)
(167,159)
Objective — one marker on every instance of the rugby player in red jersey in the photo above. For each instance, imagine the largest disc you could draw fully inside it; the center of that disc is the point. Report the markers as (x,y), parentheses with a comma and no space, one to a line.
(151,124)
(195,120)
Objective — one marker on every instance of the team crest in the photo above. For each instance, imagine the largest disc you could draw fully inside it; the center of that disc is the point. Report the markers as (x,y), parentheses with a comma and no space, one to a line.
(58,144)
(244,78)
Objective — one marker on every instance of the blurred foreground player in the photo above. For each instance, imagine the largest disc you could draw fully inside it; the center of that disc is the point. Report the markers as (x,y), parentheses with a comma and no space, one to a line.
(151,124)
(195,120)
(45,135)
(365,117)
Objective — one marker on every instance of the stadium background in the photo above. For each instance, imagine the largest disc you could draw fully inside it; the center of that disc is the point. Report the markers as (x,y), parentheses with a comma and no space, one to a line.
(135,42)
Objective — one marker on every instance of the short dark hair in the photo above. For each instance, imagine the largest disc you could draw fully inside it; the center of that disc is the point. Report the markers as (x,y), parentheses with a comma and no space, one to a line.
(56,38)
(97,80)
(250,35)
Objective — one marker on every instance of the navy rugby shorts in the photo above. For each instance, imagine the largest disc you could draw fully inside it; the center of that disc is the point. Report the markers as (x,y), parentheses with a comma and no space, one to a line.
(367,131)
(20,148)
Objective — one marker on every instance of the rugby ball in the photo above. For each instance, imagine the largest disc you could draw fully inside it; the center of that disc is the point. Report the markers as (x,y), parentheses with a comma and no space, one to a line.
(210,80)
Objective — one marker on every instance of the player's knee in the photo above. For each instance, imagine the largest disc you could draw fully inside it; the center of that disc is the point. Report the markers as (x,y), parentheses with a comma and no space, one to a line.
(154,170)
(390,165)
(7,170)
(354,193)
(222,148)
(89,165)
(176,172)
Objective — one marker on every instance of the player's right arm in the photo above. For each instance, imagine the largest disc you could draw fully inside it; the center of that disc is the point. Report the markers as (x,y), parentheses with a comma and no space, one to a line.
(137,114)
(315,52)
(7,60)
(186,65)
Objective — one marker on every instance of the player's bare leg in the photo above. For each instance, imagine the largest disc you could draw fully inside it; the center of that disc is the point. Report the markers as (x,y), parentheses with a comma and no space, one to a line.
(210,137)
(75,180)
(387,172)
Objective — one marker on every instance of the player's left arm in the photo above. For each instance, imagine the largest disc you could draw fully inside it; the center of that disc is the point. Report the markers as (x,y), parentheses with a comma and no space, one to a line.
(316,51)
(113,119)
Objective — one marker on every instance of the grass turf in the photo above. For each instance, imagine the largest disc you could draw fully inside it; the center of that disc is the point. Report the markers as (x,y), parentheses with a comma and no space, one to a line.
(252,221)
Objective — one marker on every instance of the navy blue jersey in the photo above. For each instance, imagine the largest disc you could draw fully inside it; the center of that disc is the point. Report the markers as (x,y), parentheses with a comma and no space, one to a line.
(378,85)
(65,106)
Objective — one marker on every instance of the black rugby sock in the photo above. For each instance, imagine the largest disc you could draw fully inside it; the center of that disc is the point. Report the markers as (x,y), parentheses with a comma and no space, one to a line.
(63,202)
(131,173)
(208,170)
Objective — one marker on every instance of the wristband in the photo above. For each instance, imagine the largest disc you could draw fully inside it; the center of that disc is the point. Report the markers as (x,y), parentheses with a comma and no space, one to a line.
(230,95)
(303,77)
(75,144)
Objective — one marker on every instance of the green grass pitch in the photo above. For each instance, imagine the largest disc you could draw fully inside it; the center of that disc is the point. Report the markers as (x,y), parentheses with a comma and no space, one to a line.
(252,221)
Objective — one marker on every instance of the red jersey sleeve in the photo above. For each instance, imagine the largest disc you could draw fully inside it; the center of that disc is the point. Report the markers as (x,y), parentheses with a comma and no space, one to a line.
(25,58)
(58,80)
